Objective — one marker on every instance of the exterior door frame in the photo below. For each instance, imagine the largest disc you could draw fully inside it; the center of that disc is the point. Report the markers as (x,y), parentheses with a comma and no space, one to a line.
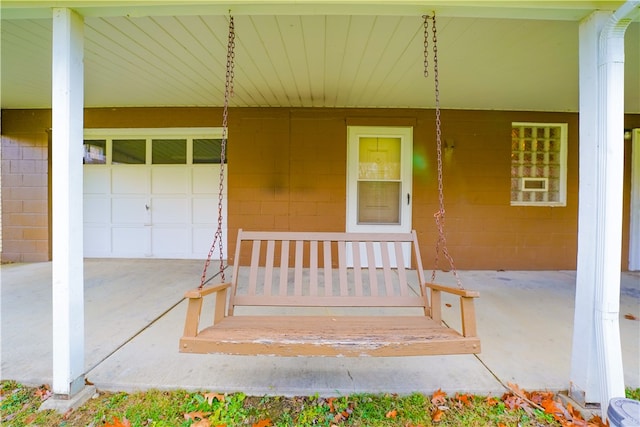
(634,205)
(405,133)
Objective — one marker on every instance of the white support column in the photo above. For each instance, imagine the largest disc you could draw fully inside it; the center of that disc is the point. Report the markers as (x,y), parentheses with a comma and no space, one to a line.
(67,247)
(596,366)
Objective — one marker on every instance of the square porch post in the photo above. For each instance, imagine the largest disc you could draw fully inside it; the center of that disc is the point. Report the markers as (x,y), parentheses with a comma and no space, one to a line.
(596,360)
(67,222)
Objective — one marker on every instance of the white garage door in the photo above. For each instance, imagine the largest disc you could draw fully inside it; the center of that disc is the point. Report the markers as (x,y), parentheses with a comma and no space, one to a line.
(151,193)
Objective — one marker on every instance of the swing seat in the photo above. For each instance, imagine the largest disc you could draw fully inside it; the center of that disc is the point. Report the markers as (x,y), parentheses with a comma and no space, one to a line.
(328,294)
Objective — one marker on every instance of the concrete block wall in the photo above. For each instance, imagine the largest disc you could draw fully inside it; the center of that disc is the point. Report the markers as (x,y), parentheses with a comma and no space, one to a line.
(25,201)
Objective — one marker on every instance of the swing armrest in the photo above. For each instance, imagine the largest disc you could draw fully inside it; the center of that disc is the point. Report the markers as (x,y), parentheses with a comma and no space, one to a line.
(455,291)
(192,323)
(199,293)
(467,307)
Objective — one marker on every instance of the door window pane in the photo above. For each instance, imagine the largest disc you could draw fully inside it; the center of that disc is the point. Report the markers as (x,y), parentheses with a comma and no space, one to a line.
(169,152)
(379,158)
(207,150)
(378,202)
(129,151)
(95,152)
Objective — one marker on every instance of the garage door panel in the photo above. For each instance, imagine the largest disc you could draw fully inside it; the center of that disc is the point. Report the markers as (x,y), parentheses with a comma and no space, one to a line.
(202,238)
(205,210)
(96,179)
(129,210)
(169,180)
(131,241)
(172,210)
(171,242)
(130,179)
(97,210)
(206,179)
(97,240)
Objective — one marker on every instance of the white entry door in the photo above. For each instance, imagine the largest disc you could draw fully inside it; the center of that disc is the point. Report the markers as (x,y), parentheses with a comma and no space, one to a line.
(379,178)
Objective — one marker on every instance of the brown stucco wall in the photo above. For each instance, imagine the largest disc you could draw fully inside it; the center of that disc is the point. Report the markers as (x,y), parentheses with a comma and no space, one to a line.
(287,171)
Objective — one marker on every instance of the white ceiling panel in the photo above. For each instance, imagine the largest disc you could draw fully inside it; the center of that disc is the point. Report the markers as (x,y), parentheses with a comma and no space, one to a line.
(312,60)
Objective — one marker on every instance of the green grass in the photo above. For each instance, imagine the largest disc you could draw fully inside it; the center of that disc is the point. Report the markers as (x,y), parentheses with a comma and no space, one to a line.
(633,393)
(19,407)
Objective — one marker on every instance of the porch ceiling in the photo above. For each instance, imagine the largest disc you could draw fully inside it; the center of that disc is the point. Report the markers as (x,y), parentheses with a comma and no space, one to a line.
(511,55)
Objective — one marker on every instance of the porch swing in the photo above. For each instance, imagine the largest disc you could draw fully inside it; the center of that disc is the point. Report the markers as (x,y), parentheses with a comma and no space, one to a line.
(329,293)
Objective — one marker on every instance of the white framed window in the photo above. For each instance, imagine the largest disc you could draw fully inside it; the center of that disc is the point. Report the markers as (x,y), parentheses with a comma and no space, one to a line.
(152,146)
(538,164)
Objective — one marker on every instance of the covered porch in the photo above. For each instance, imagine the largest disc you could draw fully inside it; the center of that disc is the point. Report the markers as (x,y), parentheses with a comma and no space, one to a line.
(135,315)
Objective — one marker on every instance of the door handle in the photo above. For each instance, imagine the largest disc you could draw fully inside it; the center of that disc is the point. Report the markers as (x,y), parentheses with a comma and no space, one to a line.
(146,206)
(408,198)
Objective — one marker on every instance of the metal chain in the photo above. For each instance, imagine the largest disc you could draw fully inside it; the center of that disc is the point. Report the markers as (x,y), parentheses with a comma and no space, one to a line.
(425,23)
(440,214)
(228,92)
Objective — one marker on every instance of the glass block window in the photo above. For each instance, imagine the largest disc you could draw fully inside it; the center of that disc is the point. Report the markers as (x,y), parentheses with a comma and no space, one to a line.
(538,164)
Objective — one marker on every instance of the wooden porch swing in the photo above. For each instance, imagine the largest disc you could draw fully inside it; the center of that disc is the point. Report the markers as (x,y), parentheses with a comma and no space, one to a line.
(329,293)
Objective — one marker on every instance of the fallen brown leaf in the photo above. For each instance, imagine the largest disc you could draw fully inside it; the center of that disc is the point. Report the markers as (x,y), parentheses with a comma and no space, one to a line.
(211,396)
(464,399)
(491,401)
(196,415)
(263,423)
(330,402)
(437,415)
(439,397)
(630,316)
(117,423)
(391,414)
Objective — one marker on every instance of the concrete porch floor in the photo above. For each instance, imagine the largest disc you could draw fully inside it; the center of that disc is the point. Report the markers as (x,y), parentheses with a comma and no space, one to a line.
(134,317)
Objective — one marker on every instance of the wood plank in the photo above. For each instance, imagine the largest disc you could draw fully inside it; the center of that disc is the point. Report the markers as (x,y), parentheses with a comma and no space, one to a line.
(371,266)
(199,293)
(328,301)
(193,317)
(284,267)
(349,336)
(313,268)
(386,268)
(221,302)
(468,313)
(253,269)
(454,291)
(268,271)
(328,268)
(342,268)
(297,276)
(357,271)
(236,271)
(402,274)
(333,236)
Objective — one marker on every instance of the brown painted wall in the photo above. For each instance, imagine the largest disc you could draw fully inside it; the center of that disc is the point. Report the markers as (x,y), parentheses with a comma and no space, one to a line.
(287,171)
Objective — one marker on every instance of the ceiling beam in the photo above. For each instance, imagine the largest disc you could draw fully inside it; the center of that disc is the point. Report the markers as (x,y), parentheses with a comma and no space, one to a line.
(510,9)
